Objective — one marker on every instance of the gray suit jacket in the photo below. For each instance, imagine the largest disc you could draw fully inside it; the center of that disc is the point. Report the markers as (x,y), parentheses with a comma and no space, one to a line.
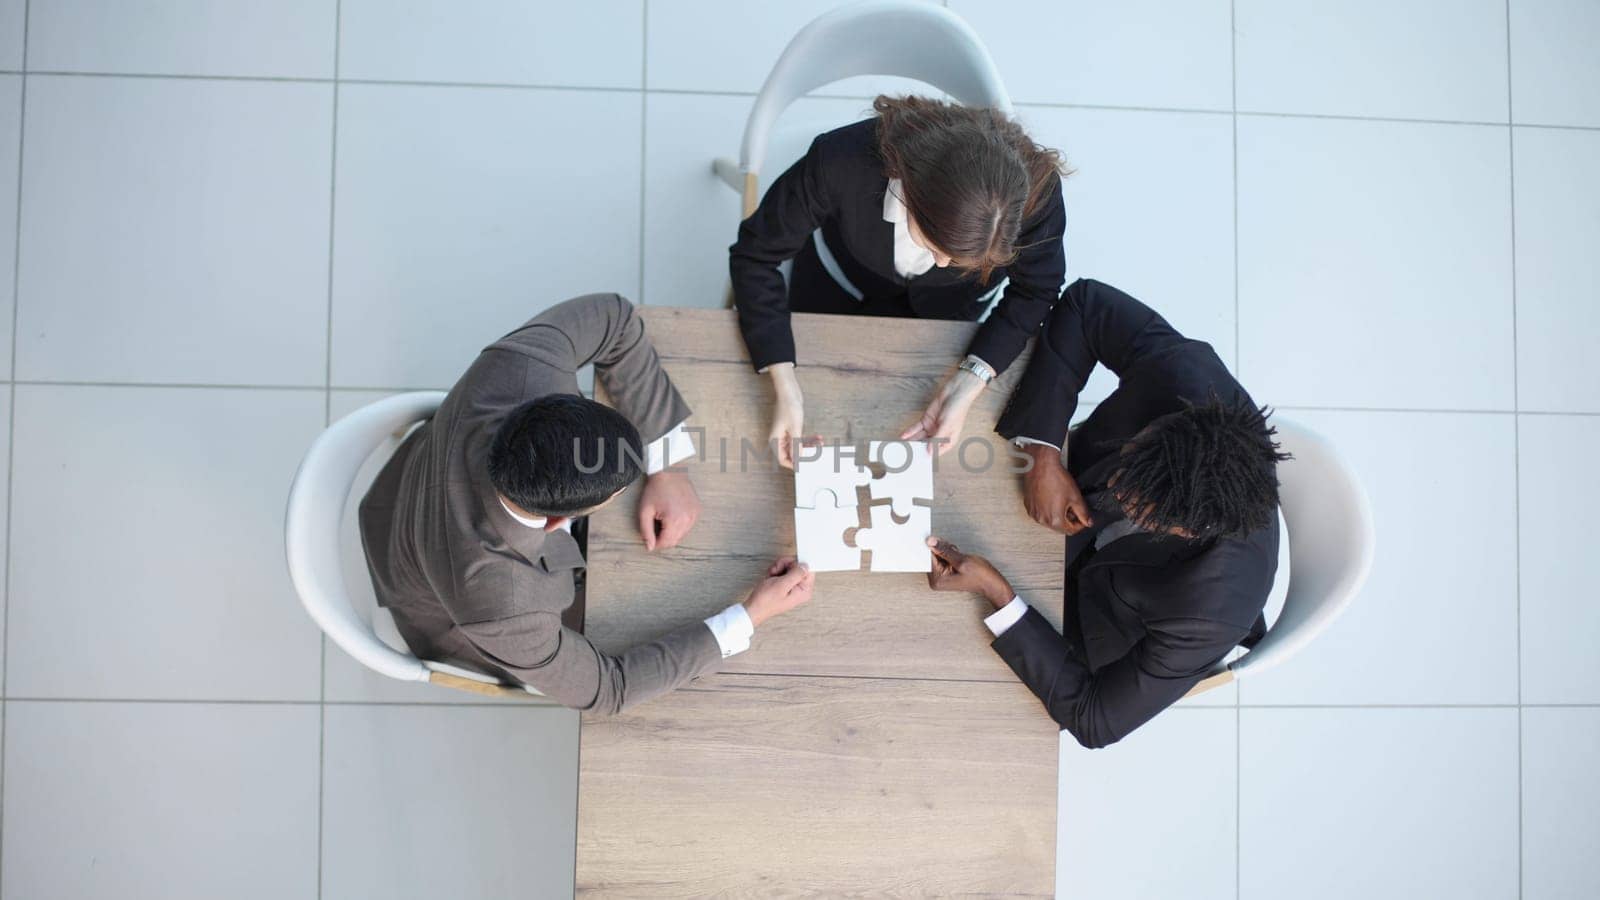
(467,582)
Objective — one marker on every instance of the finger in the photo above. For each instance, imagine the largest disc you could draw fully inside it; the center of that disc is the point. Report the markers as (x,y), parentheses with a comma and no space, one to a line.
(1077,516)
(794,576)
(780,565)
(785,452)
(1080,511)
(794,449)
(806,582)
(946,551)
(915,433)
(647,525)
(673,530)
(803,593)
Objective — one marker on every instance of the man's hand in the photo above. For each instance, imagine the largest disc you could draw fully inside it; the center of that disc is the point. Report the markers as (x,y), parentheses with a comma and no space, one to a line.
(941,423)
(957,571)
(787,585)
(1050,494)
(668,508)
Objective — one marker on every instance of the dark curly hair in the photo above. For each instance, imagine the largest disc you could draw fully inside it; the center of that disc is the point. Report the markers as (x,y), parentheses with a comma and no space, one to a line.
(1209,469)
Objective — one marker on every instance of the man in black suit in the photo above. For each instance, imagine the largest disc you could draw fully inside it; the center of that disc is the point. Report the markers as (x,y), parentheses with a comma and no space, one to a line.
(1168,499)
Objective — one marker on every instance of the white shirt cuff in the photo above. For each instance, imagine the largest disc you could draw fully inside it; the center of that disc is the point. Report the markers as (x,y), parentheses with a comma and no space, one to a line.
(1006,616)
(668,450)
(733,629)
(1025,441)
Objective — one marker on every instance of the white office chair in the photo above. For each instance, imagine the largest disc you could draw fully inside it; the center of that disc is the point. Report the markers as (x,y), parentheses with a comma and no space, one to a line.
(1331,540)
(880,37)
(312,529)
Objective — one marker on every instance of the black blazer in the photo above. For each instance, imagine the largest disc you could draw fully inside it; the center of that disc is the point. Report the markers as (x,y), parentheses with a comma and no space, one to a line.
(1152,614)
(839,186)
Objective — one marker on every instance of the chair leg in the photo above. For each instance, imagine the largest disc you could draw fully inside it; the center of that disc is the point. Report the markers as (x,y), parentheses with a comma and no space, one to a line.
(1214,681)
(728,171)
(752,195)
(751,199)
(445,679)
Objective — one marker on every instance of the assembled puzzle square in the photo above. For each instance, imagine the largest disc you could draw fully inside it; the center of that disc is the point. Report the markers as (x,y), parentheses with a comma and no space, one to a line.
(834,520)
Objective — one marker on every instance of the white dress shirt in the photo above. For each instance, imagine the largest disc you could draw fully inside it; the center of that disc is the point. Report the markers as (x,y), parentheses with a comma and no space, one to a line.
(732,627)
(910,258)
(1006,616)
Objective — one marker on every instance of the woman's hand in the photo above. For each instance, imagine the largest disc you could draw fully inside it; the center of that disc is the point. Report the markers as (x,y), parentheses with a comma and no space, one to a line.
(957,571)
(945,416)
(668,508)
(788,412)
(1050,493)
(787,585)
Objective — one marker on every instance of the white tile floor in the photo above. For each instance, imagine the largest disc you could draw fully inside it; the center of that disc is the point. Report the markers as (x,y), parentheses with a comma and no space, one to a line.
(232,220)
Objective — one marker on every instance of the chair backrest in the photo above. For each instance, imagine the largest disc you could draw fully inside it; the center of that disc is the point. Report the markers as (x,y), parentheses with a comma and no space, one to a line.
(1331,541)
(880,37)
(316,512)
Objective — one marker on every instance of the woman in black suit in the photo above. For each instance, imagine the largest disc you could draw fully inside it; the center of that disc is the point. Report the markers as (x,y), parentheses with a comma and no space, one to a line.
(920,211)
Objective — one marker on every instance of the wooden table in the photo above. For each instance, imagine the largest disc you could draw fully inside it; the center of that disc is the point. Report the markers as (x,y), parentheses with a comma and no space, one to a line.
(869,742)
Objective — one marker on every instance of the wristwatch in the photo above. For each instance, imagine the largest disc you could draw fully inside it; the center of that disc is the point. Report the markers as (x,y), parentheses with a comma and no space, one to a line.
(977,367)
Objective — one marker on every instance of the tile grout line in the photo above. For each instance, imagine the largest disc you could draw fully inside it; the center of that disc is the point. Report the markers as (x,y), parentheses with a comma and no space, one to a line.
(1238,353)
(384,389)
(532,702)
(644,107)
(1516,431)
(398,82)
(389,389)
(327,419)
(11,433)
(1440,410)
(1233,63)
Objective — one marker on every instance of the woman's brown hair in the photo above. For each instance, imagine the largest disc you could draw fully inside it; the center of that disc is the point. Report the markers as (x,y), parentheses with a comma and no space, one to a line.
(969,175)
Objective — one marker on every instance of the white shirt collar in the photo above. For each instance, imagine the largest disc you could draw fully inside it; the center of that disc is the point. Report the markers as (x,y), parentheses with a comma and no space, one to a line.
(531,522)
(670,449)
(910,258)
(894,209)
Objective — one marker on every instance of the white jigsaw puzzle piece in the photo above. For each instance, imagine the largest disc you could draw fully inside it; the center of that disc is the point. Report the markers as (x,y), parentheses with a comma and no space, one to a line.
(914,481)
(830,471)
(819,532)
(898,546)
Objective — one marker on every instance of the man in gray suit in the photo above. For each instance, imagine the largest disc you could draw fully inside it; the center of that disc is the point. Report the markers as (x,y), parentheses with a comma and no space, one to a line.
(467,528)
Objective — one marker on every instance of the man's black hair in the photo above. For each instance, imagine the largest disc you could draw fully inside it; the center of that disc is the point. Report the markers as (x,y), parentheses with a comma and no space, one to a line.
(563,454)
(1209,469)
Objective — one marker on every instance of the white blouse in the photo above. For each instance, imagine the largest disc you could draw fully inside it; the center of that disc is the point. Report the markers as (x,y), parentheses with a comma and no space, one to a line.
(910,258)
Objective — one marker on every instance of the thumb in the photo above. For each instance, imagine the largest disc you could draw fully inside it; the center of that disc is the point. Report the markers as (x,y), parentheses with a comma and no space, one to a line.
(1080,508)
(946,551)
(805,584)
